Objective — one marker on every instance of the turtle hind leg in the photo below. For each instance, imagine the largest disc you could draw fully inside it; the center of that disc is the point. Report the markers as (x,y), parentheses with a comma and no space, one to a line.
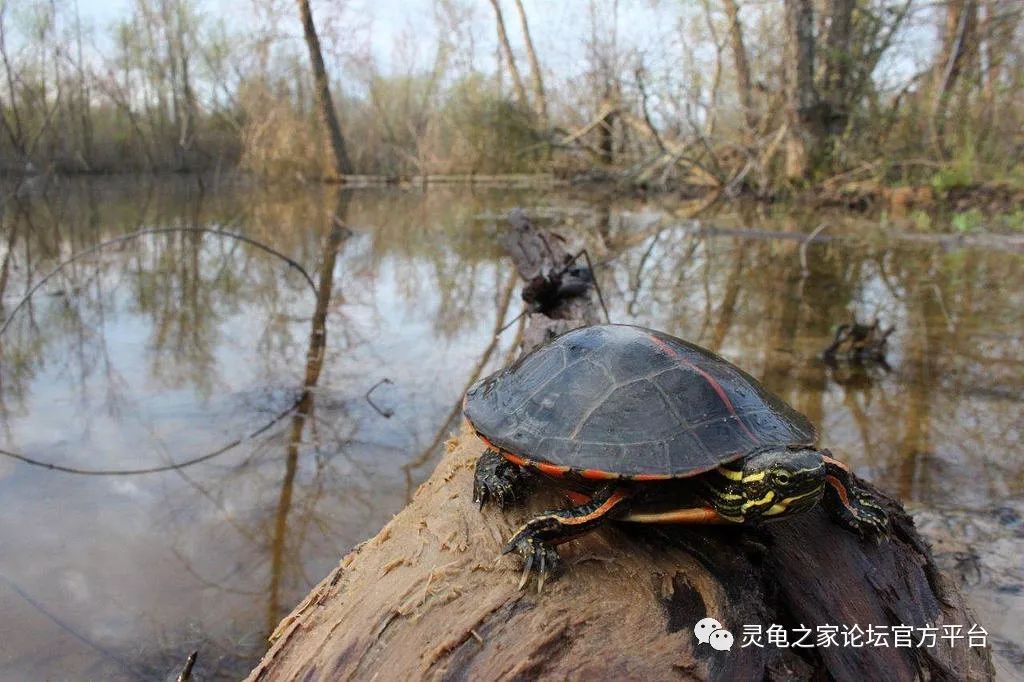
(851,505)
(535,541)
(498,480)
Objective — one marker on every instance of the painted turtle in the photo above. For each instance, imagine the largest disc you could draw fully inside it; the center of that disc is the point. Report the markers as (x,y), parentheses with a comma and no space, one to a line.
(637,425)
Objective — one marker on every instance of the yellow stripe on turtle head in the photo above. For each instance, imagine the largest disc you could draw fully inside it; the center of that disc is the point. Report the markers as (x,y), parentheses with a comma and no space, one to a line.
(769,496)
(783,505)
(731,474)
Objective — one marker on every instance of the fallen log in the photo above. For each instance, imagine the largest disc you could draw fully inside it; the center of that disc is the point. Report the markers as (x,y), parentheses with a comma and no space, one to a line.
(429,596)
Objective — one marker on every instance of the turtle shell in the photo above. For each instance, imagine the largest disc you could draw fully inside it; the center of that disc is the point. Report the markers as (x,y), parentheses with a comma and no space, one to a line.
(623,401)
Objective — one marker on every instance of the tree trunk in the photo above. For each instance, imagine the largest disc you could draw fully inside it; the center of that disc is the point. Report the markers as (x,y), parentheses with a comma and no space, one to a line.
(342,164)
(838,60)
(540,104)
(517,81)
(959,46)
(801,107)
(997,30)
(744,82)
(430,598)
(606,139)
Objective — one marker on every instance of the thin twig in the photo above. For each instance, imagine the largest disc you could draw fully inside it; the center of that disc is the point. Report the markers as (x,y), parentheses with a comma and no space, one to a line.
(597,287)
(387,414)
(514,320)
(803,248)
(95,646)
(141,233)
(154,470)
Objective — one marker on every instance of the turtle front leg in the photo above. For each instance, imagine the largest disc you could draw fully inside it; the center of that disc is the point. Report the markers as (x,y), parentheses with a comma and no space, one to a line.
(499,480)
(535,541)
(851,505)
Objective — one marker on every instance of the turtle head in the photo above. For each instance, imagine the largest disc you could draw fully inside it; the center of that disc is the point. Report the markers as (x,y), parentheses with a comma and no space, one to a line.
(779,483)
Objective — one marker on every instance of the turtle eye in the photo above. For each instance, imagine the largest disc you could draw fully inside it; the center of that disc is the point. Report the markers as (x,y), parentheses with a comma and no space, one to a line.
(782,477)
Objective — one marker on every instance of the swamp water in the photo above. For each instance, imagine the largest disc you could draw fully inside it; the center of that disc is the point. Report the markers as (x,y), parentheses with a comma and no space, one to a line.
(185,353)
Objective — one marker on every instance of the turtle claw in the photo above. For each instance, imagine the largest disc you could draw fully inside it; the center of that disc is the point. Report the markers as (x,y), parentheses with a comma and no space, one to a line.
(493,490)
(497,480)
(538,557)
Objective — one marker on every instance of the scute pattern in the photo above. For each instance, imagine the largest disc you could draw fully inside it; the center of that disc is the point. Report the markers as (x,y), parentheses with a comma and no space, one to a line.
(629,400)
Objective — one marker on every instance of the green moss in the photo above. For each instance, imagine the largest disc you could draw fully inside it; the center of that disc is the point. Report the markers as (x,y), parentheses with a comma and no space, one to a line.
(967,221)
(922,220)
(952,177)
(1013,221)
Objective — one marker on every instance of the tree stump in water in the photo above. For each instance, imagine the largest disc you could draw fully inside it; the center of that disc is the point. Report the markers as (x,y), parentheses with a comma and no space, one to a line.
(430,597)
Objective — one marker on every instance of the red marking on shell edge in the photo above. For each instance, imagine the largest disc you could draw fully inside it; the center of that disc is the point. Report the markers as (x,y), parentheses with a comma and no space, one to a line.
(550,469)
(598,475)
(651,477)
(717,387)
(593,474)
(519,461)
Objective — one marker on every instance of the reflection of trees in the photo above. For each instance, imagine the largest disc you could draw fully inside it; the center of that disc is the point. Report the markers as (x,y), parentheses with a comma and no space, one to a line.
(727,308)
(427,454)
(304,412)
(5,264)
(922,352)
(250,518)
(166,270)
(268,517)
(745,297)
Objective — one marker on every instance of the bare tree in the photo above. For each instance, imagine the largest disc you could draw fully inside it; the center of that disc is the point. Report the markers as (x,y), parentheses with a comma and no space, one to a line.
(342,164)
(956,56)
(506,47)
(540,103)
(837,50)
(744,86)
(802,98)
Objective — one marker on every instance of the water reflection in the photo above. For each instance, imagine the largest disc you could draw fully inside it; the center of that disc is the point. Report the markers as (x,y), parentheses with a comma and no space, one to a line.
(954,355)
(164,347)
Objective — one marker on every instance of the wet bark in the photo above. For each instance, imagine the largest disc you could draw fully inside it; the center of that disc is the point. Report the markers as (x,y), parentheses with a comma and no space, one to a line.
(429,597)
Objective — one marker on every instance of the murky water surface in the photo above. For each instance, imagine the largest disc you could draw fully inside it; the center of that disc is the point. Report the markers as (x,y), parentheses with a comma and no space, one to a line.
(185,354)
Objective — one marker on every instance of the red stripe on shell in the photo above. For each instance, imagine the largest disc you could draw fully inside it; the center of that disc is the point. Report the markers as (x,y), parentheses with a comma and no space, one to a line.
(717,387)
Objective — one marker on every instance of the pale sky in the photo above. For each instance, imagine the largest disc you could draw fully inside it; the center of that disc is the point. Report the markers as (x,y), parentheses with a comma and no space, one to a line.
(403,22)
(395,28)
